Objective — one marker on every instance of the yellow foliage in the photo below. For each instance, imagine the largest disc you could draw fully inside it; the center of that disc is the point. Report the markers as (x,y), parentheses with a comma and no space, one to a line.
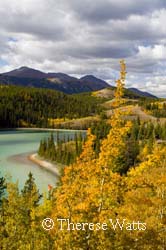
(93,191)
(120,83)
(57,121)
(145,199)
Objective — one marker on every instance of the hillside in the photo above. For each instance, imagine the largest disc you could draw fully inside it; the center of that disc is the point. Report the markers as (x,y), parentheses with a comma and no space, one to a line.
(28,77)
(135,112)
(36,107)
(128,93)
(22,107)
(142,93)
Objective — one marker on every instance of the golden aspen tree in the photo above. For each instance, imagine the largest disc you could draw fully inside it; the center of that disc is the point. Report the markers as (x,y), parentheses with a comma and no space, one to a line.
(120,84)
(12,219)
(111,163)
(91,190)
(73,196)
(113,147)
(21,227)
(145,201)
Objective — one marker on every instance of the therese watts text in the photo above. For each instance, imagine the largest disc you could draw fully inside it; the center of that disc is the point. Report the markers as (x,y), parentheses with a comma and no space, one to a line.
(65,224)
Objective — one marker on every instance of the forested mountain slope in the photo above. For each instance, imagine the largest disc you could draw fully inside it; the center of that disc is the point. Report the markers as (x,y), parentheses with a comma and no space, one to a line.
(33,107)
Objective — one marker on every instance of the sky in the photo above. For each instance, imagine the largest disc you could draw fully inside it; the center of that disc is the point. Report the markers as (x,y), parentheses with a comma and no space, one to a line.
(87,37)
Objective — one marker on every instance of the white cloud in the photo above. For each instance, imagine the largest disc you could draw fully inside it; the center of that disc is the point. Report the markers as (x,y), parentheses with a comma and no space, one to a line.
(157,52)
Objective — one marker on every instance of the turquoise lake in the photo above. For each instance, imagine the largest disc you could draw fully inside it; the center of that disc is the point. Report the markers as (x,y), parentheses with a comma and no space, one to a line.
(15,146)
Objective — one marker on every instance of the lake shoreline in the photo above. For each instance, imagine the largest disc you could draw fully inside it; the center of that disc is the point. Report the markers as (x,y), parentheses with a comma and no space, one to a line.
(51,167)
(41,129)
(16,147)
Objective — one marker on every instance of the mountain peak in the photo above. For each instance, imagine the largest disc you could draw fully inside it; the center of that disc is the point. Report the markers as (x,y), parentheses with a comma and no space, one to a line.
(89,77)
(26,72)
(94,80)
(23,68)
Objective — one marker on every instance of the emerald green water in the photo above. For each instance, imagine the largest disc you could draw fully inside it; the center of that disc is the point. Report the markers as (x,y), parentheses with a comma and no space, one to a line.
(15,146)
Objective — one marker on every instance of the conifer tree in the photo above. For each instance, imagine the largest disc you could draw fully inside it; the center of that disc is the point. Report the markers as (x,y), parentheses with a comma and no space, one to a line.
(2,188)
(30,192)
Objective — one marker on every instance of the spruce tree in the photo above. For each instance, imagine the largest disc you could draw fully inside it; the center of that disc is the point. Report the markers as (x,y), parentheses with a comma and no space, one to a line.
(30,191)
(2,189)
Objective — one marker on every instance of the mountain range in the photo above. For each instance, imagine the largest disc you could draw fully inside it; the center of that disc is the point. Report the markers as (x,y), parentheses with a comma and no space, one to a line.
(30,77)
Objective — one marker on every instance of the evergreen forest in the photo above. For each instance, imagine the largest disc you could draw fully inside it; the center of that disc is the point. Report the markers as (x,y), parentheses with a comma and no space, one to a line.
(32,107)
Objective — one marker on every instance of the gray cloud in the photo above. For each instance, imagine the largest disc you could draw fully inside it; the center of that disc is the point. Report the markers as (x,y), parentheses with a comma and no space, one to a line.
(101,11)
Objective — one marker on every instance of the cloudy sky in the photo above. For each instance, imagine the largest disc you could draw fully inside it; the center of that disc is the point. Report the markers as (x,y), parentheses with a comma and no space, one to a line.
(80,37)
